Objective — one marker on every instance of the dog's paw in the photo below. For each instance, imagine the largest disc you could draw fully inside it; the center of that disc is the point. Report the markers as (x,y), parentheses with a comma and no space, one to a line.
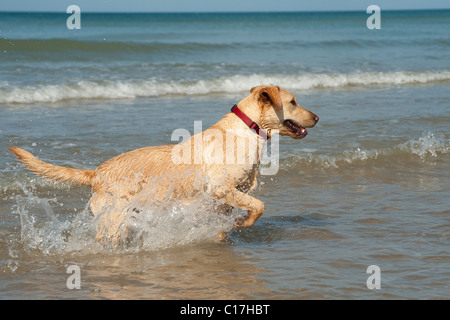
(248,221)
(221,236)
(239,221)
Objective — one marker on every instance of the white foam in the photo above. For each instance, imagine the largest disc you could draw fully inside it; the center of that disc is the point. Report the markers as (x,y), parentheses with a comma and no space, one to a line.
(428,147)
(230,84)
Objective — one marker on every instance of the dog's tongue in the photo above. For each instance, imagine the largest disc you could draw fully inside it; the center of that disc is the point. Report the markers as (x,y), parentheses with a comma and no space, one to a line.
(295,128)
(300,131)
(303,131)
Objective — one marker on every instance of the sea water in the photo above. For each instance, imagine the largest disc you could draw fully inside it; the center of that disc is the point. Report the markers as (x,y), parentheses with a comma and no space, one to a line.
(369,185)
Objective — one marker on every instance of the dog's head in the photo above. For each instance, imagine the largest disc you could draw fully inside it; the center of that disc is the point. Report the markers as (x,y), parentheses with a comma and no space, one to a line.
(280,111)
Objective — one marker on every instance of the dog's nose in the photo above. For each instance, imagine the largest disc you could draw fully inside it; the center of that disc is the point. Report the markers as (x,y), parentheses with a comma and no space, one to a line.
(316,117)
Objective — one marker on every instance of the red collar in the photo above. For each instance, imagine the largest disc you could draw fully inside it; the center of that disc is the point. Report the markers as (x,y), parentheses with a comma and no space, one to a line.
(252,125)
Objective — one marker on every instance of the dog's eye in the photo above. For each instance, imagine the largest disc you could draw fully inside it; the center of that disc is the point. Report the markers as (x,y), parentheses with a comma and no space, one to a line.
(293,102)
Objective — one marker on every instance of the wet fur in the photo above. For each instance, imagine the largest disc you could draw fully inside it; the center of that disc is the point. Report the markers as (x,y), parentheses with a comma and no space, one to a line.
(118,181)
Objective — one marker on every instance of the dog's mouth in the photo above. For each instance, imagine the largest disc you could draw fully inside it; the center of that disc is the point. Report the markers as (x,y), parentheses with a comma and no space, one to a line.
(296,129)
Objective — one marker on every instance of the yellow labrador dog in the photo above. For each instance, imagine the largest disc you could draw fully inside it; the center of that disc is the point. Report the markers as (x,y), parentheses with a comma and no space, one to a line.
(206,162)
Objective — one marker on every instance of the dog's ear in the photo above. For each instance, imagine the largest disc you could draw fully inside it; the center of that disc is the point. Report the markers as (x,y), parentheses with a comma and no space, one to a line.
(270,95)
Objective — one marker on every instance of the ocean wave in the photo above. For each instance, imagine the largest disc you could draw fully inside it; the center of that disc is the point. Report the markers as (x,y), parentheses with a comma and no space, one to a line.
(102,47)
(105,46)
(226,84)
(427,149)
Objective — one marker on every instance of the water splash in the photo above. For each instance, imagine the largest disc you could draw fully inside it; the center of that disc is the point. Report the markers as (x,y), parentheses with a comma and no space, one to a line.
(152,227)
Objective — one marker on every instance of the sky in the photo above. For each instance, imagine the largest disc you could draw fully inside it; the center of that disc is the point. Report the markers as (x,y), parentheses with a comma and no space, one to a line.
(218,5)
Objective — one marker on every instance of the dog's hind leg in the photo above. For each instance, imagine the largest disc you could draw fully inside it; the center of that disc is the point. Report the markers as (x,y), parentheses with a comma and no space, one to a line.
(112,228)
(111,221)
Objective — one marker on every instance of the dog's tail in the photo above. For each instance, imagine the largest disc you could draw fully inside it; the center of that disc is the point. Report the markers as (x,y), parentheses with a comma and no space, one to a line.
(53,172)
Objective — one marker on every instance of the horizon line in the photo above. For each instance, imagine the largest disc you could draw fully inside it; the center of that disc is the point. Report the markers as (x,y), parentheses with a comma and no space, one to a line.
(215,12)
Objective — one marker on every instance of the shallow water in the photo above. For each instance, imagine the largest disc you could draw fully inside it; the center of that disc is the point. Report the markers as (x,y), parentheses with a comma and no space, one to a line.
(368,186)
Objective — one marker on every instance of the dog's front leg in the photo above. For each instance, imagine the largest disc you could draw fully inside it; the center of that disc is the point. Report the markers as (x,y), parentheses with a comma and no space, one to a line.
(242,200)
